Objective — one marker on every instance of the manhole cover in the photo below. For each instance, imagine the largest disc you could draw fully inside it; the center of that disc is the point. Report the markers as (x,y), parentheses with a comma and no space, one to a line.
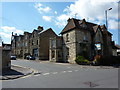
(91,84)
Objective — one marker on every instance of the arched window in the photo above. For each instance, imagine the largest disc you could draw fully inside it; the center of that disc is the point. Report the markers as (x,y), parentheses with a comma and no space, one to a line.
(67,37)
(37,42)
(53,54)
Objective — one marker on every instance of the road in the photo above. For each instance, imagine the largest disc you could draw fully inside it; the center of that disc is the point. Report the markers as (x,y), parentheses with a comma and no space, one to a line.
(55,75)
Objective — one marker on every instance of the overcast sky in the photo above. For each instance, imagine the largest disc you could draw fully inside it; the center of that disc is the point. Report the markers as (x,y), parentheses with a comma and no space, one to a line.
(18,17)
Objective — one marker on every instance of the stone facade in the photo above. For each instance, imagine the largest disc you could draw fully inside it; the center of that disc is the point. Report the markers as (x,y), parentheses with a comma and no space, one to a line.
(80,37)
(55,49)
(5,52)
(35,43)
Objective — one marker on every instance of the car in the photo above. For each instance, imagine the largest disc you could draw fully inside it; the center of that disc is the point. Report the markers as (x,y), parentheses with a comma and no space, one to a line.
(13,57)
(30,57)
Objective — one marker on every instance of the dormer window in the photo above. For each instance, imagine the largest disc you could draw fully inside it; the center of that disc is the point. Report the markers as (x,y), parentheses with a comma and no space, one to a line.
(33,35)
(84,38)
(26,37)
(67,37)
(84,26)
(32,42)
(19,38)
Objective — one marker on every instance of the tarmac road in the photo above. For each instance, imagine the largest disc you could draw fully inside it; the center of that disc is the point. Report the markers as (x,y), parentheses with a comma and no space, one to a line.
(56,75)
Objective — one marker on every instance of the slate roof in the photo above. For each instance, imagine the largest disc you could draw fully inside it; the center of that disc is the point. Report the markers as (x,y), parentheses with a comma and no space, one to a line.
(95,28)
(49,29)
(76,23)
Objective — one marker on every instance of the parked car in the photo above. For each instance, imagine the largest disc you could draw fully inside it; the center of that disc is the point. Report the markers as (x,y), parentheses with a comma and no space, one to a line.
(30,57)
(13,57)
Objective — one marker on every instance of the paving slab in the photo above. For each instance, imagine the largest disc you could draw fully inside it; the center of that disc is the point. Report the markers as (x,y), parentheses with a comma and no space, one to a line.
(15,72)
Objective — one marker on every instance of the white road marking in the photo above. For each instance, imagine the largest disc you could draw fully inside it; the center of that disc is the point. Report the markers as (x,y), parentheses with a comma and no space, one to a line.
(46,73)
(76,70)
(63,71)
(69,71)
(55,72)
(62,63)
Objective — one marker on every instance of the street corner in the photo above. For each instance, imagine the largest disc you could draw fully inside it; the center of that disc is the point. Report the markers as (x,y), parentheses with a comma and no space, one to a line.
(16,72)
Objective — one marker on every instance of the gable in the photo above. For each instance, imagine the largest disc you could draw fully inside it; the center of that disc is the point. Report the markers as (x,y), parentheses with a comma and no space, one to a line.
(79,24)
(47,32)
(98,36)
(70,25)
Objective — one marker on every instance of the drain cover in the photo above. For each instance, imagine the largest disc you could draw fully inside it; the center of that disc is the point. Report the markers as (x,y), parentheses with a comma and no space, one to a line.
(91,84)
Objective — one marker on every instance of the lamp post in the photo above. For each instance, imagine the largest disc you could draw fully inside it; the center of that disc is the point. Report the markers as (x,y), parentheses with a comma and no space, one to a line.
(106,16)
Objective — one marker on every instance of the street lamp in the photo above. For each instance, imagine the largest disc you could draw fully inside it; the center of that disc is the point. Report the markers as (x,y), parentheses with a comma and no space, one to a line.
(106,16)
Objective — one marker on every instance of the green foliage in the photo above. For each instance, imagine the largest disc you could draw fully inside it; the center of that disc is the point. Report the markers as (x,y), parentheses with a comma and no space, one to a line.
(81,60)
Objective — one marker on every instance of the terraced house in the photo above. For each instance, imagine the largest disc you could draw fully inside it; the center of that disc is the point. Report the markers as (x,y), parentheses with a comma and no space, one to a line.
(35,43)
(80,37)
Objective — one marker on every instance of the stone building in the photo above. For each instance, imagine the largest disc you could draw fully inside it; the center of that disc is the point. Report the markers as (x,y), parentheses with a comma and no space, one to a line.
(55,49)
(35,43)
(80,37)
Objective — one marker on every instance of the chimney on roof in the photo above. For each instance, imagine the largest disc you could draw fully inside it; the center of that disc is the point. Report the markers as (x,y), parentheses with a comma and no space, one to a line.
(40,28)
(84,20)
(15,34)
(68,20)
(25,33)
(12,33)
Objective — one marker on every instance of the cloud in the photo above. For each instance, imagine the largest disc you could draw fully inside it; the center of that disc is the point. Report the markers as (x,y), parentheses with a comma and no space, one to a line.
(113,24)
(91,10)
(55,12)
(62,20)
(94,9)
(5,35)
(41,8)
(6,31)
(47,18)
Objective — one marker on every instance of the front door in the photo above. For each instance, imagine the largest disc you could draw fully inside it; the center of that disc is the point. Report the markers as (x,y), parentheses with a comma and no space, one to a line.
(35,52)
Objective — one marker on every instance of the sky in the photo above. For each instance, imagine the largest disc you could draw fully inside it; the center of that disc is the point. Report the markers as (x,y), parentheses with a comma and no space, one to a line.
(18,17)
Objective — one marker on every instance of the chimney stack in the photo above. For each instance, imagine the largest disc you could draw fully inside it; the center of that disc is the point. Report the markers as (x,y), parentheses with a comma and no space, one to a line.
(40,28)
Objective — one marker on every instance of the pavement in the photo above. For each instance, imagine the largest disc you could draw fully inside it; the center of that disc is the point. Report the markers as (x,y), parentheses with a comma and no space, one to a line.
(16,72)
(82,66)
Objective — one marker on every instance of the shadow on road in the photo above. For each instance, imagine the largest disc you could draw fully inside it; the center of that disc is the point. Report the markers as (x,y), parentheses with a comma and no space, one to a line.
(11,72)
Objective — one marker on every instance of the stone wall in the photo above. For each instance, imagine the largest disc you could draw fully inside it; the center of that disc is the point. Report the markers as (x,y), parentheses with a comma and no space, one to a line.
(6,62)
(72,47)
(107,47)
(69,46)
(83,37)
(55,49)
(44,44)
